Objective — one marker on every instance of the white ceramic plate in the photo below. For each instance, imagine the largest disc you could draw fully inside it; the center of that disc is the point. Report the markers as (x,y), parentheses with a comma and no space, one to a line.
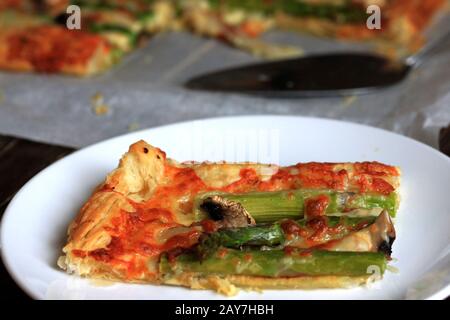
(35,223)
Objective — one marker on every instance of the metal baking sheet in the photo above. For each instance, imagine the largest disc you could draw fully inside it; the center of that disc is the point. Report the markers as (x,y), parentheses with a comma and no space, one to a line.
(145,91)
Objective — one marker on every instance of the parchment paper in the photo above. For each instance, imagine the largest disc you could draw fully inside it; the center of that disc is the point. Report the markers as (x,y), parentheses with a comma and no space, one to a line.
(145,91)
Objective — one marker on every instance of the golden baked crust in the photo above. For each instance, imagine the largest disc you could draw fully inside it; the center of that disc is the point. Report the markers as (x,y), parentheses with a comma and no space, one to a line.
(144,208)
(229,285)
(139,171)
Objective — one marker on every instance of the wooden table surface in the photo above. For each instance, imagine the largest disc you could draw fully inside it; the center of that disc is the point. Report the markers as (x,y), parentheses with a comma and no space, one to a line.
(21,159)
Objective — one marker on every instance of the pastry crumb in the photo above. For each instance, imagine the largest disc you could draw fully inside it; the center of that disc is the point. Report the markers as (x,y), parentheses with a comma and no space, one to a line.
(98,104)
(101,109)
(147,59)
(348,101)
(133,126)
(97,98)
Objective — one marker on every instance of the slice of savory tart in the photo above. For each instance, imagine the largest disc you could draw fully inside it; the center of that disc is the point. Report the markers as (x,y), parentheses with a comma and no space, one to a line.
(402,22)
(223,226)
(53,49)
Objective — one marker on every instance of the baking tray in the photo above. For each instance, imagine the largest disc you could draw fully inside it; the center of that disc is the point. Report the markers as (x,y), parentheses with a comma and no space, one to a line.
(145,90)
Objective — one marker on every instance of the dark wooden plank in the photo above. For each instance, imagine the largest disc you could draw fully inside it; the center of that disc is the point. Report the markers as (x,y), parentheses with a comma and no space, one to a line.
(444,140)
(20,160)
(5,143)
(9,290)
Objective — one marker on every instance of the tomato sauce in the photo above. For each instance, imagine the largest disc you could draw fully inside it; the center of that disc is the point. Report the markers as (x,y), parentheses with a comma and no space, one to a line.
(222,253)
(313,233)
(209,226)
(50,48)
(321,175)
(79,253)
(368,177)
(320,228)
(282,179)
(13,4)
(317,206)
(252,29)
(139,232)
(249,180)
(381,186)
(292,229)
(288,250)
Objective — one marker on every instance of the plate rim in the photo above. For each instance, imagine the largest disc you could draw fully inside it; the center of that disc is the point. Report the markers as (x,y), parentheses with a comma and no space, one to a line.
(441,294)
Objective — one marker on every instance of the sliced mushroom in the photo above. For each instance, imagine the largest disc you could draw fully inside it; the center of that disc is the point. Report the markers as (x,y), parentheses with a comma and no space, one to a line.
(227,213)
(378,237)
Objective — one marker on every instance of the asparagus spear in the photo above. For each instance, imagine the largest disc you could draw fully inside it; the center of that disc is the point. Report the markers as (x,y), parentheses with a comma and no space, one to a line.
(263,235)
(276,205)
(277,263)
(279,233)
